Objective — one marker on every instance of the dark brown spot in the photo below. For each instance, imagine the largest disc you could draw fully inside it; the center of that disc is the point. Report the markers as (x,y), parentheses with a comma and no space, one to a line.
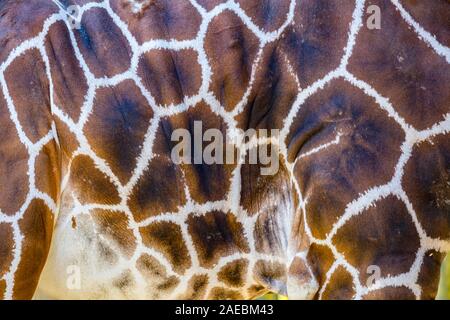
(264,194)
(161,19)
(273,92)
(90,184)
(13,164)
(365,156)
(231,49)
(196,287)
(404,69)
(315,43)
(429,274)
(426,181)
(69,81)
(170,76)
(156,275)
(47,170)
(124,281)
(383,235)
(340,286)
(272,275)
(206,182)
(29,89)
(216,235)
(67,139)
(271,197)
(234,273)
(36,226)
(74,223)
(102,44)
(17,13)
(158,190)
(167,238)
(117,127)
(320,259)
(431,18)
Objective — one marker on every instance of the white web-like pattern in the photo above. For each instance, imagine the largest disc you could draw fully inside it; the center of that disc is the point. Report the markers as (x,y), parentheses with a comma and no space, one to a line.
(232,201)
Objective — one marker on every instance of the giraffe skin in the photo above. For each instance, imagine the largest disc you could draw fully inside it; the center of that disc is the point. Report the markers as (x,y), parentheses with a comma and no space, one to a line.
(86,177)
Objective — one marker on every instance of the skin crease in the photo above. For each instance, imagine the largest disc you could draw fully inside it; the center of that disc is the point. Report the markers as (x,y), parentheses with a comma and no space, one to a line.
(87,181)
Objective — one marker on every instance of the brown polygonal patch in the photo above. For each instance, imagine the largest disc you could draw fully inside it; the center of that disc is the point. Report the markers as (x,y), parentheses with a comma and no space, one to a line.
(269,15)
(124,282)
(298,235)
(106,254)
(364,157)
(390,293)
(163,144)
(160,19)
(315,42)
(170,76)
(206,182)
(231,49)
(13,164)
(102,44)
(426,181)
(431,17)
(2,289)
(47,170)
(234,273)
(272,275)
(90,184)
(69,81)
(156,274)
(383,235)
(36,225)
(29,89)
(258,191)
(404,69)
(18,13)
(300,271)
(219,293)
(273,92)
(167,238)
(6,248)
(320,259)
(117,127)
(67,139)
(429,274)
(269,196)
(196,288)
(114,225)
(156,193)
(215,235)
(256,291)
(340,286)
